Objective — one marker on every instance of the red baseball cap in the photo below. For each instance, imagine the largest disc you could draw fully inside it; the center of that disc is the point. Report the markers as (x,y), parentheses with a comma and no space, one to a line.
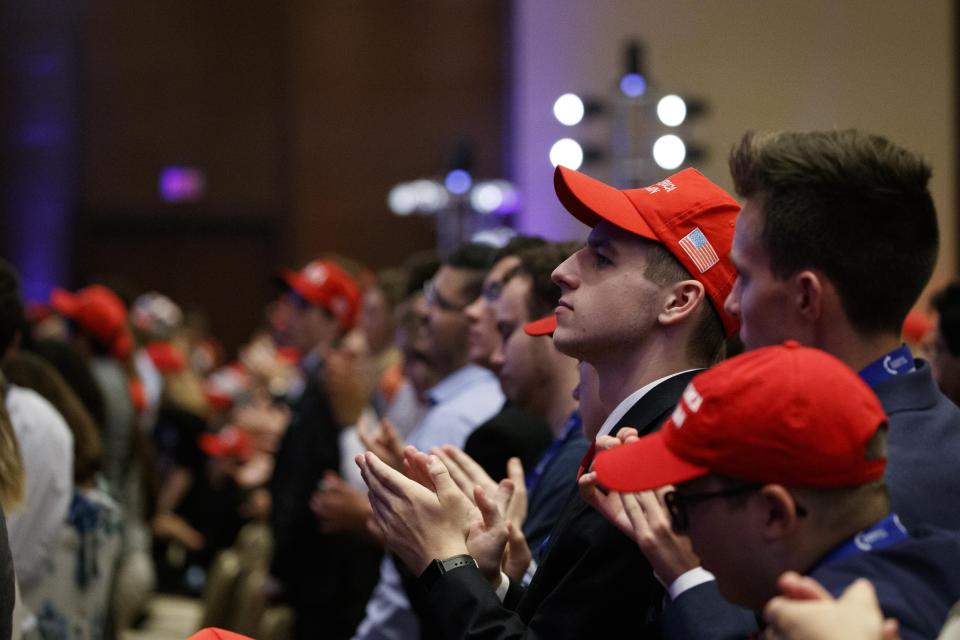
(686,213)
(230,441)
(325,284)
(166,357)
(785,414)
(214,633)
(99,312)
(542,327)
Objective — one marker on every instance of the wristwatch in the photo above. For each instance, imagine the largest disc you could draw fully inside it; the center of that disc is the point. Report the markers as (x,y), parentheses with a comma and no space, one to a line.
(437,568)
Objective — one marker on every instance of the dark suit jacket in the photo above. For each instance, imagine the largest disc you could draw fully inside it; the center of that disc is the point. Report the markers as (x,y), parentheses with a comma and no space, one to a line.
(923,446)
(511,432)
(593,582)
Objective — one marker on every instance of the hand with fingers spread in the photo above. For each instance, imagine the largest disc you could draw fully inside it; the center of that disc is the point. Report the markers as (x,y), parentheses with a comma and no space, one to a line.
(468,474)
(384,440)
(807,611)
(418,525)
(644,518)
(464,470)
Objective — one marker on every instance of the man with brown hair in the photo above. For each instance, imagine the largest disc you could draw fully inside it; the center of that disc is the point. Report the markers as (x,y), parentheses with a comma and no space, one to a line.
(836,240)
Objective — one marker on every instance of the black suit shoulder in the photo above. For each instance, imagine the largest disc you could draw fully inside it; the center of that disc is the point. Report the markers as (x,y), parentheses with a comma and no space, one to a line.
(511,432)
(593,581)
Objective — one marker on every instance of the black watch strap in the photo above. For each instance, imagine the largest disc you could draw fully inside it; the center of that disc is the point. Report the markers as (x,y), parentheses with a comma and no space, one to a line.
(437,568)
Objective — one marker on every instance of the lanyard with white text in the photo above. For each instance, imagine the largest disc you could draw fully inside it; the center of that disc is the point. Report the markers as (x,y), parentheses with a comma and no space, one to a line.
(885,533)
(897,362)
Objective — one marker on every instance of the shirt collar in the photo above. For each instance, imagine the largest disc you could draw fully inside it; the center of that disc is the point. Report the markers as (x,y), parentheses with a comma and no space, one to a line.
(457,382)
(629,401)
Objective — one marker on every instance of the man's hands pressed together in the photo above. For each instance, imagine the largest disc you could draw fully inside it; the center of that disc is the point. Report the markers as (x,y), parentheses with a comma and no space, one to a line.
(427,516)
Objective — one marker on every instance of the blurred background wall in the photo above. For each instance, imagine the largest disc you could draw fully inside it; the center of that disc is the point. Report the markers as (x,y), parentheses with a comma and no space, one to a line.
(301,115)
(885,66)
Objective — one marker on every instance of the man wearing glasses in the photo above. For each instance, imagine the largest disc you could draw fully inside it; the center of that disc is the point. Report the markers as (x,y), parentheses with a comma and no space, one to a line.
(466,396)
(778,459)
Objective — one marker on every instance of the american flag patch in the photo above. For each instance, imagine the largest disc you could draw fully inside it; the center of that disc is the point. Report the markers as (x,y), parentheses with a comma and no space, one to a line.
(699,249)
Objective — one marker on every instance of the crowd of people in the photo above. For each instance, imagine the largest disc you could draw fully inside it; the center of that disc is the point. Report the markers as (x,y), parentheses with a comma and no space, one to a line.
(709,421)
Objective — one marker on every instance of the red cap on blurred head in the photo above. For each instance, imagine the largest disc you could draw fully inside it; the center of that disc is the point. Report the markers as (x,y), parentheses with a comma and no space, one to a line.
(229,441)
(686,213)
(213,633)
(166,357)
(98,312)
(784,414)
(323,283)
(542,327)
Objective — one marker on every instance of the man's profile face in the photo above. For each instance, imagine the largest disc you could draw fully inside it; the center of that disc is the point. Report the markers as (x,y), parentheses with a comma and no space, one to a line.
(724,538)
(607,304)
(309,325)
(444,338)
(758,298)
(525,359)
(483,339)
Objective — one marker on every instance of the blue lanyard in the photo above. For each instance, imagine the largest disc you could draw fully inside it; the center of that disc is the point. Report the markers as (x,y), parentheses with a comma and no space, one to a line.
(574,424)
(883,534)
(895,363)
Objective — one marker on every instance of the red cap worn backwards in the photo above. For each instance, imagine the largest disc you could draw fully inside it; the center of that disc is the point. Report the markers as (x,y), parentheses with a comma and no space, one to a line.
(323,283)
(785,414)
(686,213)
(542,327)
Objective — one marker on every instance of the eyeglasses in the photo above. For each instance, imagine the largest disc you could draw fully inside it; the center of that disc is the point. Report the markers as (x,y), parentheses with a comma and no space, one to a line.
(492,290)
(677,503)
(434,299)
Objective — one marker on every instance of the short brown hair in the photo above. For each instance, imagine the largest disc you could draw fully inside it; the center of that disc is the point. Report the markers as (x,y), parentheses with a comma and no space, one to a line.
(852,205)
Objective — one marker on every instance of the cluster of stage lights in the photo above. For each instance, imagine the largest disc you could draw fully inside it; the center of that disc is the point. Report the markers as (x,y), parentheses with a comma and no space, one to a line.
(431,196)
(668,150)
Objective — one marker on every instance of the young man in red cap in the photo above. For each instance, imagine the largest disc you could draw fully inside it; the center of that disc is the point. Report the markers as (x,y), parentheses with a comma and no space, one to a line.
(642,302)
(778,459)
(837,238)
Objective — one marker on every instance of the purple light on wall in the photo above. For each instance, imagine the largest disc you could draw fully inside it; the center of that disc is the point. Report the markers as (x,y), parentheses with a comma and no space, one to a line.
(181,184)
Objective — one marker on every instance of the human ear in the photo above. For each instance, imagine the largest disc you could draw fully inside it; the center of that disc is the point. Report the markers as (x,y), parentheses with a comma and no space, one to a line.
(808,290)
(778,512)
(682,301)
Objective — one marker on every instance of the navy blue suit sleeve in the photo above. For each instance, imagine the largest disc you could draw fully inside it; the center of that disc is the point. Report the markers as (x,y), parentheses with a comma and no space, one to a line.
(701,613)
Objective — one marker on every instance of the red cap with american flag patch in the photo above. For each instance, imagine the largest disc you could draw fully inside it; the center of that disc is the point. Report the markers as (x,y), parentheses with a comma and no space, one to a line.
(686,213)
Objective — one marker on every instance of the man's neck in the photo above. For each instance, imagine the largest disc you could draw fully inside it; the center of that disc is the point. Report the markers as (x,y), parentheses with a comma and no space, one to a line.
(445,369)
(558,405)
(619,375)
(854,349)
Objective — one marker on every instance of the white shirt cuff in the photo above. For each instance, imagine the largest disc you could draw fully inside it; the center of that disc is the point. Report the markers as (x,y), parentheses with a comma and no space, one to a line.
(688,581)
(504,586)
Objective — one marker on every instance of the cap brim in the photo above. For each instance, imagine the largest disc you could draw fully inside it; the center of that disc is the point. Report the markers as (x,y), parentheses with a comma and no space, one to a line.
(290,279)
(591,201)
(64,302)
(542,327)
(643,465)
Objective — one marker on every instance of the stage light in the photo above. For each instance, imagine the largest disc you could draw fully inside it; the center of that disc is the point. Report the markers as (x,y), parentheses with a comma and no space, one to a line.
(633,85)
(402,200)
(669,151)
(458,182)
(431,196)
(569,109)
(566,152)
(494,196)
(672,110)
